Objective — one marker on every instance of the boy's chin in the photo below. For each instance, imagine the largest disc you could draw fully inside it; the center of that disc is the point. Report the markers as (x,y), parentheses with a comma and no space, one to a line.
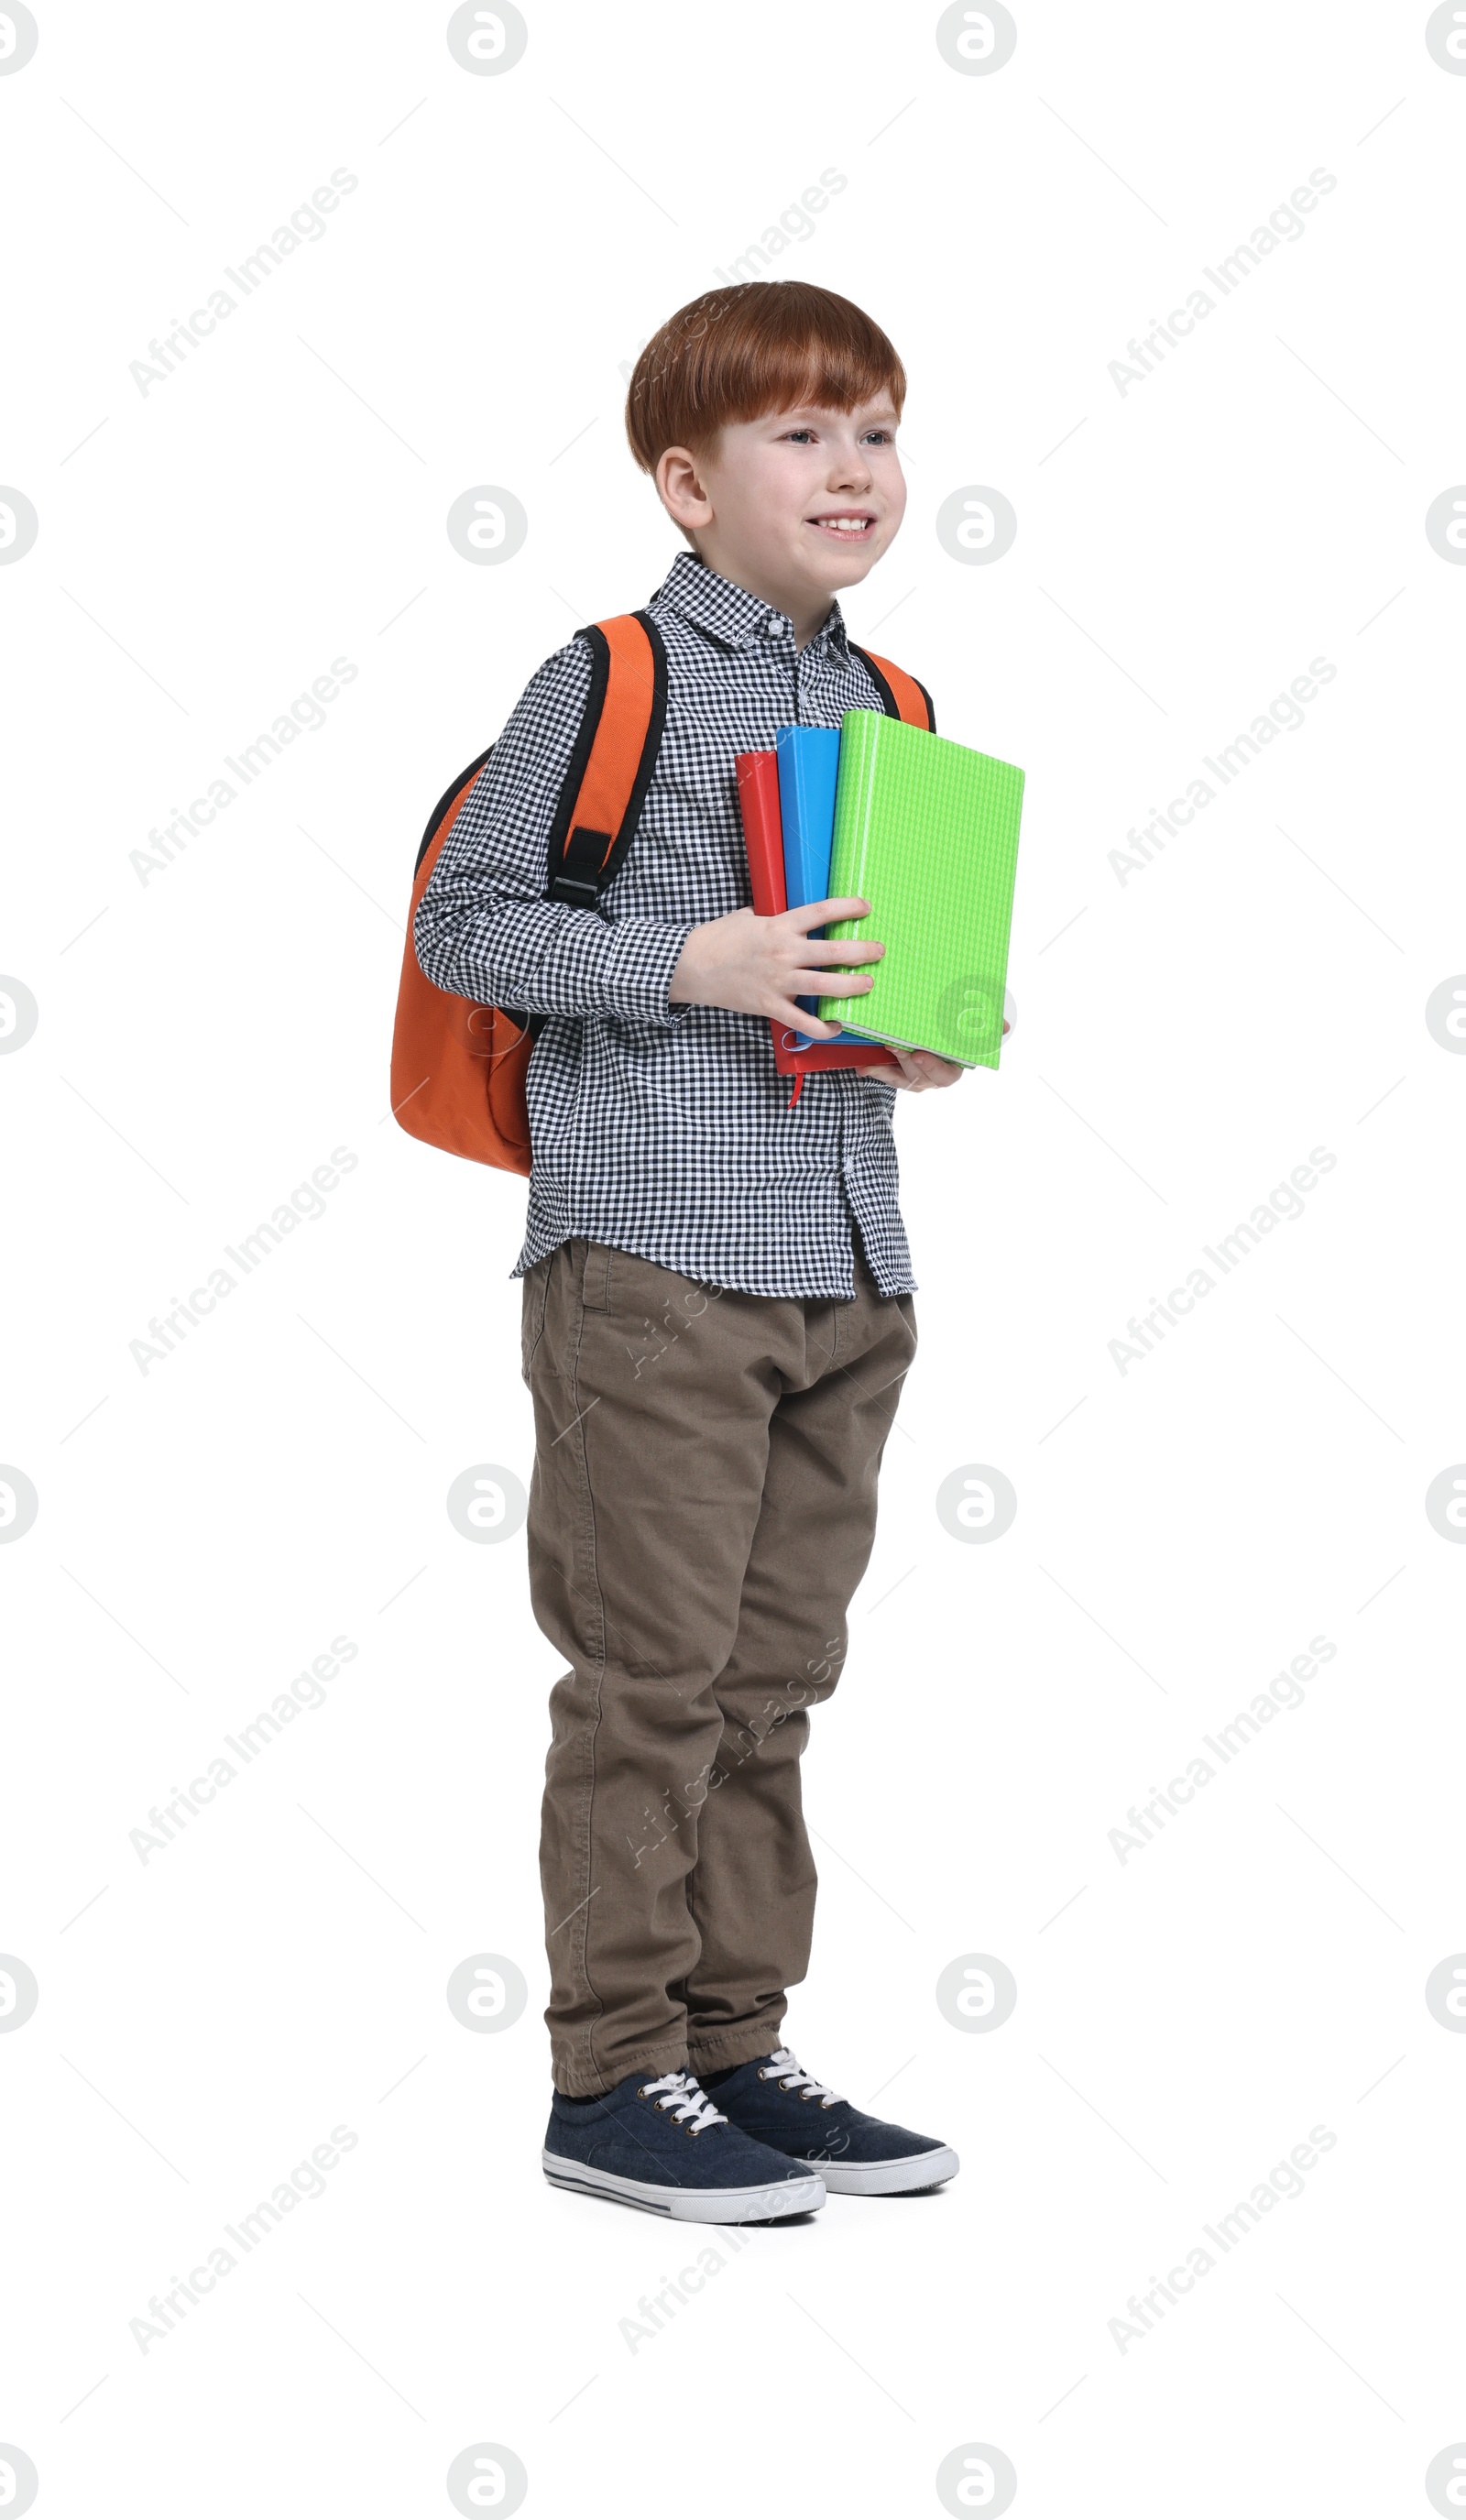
(834,569)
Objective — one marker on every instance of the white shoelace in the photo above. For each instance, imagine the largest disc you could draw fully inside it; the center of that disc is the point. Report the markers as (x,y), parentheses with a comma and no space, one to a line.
(682,2094)
(785,2068)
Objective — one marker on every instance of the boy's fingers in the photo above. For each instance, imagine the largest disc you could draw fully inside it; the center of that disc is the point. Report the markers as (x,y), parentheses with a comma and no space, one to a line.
(851,949)
(799,1019)
(813,913)
(829,984)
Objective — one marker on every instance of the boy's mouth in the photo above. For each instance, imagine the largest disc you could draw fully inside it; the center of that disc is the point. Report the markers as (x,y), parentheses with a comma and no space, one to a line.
(845,525)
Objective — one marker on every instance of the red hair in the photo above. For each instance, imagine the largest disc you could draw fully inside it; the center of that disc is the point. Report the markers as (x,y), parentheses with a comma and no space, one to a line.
(767,345)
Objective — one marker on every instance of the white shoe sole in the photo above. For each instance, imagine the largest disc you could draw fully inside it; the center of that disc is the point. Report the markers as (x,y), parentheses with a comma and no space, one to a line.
(691,2204)
(890,2178)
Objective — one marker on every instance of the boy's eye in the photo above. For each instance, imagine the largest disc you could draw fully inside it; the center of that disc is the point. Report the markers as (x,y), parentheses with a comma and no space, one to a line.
(870,436)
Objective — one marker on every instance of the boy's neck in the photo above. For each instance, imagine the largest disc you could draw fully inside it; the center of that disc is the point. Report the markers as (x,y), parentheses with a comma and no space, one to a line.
(807,612)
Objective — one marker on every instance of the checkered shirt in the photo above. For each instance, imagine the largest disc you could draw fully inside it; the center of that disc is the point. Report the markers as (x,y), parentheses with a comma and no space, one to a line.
(666,1130)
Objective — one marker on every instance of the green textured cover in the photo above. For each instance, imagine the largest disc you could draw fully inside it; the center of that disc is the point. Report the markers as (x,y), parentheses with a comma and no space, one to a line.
(927,832)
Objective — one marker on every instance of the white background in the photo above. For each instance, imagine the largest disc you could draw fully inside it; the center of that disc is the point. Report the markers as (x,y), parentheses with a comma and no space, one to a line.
(1184,1039)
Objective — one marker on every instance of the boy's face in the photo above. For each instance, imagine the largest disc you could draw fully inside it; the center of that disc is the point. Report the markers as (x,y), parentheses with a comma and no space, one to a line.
(793,506)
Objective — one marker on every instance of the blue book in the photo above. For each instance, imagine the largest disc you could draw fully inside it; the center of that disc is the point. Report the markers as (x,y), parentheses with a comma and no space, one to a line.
(809,761)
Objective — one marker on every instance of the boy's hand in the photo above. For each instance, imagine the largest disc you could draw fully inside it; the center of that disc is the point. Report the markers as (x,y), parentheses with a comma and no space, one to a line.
(759,967)
(916,1070)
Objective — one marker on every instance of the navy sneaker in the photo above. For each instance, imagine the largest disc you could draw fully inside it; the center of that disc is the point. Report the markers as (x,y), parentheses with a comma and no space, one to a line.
(662,2145)
(774,2100)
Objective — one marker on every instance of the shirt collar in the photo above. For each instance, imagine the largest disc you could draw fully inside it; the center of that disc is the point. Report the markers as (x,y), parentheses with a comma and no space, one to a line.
(734,616)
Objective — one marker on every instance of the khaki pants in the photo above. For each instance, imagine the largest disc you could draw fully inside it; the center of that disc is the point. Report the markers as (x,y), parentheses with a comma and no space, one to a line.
(702,1507)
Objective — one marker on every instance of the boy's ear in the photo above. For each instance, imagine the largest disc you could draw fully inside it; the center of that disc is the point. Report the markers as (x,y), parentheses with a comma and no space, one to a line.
(682,490)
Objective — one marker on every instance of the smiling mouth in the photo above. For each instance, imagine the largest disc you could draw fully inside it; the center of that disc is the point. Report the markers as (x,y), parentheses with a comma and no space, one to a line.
(848,526)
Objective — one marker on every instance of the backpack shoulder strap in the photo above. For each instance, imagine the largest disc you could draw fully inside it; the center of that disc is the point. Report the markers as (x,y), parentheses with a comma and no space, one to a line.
(615,753)
(901,694)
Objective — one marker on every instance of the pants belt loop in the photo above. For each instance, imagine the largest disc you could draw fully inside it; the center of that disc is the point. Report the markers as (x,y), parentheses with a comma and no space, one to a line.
(596,1278)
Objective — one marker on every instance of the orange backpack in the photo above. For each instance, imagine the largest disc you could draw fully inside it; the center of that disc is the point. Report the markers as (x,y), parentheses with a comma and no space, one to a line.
(458,1067)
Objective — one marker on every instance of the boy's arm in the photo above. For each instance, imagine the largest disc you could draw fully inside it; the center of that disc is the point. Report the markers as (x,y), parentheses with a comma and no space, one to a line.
(483,928)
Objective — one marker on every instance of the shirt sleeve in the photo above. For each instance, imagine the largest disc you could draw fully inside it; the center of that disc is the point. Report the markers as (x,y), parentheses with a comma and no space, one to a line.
(484,929)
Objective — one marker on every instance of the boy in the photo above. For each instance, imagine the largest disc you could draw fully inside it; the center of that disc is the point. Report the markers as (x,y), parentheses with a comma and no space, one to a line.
(717,1289)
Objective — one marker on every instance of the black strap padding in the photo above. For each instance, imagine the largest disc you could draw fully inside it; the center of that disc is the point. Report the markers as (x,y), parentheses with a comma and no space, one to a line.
(443,803)
(649,750)
(580,751)
(583,862)
(931,714)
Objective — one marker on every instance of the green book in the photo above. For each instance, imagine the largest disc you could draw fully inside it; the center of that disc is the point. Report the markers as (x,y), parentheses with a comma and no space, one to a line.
(927,832)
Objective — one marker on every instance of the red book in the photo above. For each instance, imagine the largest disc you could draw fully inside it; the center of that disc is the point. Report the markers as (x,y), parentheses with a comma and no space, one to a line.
(763,835)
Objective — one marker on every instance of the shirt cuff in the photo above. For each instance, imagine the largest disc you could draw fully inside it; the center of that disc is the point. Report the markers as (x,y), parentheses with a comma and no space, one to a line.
(638,969)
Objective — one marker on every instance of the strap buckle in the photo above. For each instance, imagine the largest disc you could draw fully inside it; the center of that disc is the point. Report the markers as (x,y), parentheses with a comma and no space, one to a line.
(579,878)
